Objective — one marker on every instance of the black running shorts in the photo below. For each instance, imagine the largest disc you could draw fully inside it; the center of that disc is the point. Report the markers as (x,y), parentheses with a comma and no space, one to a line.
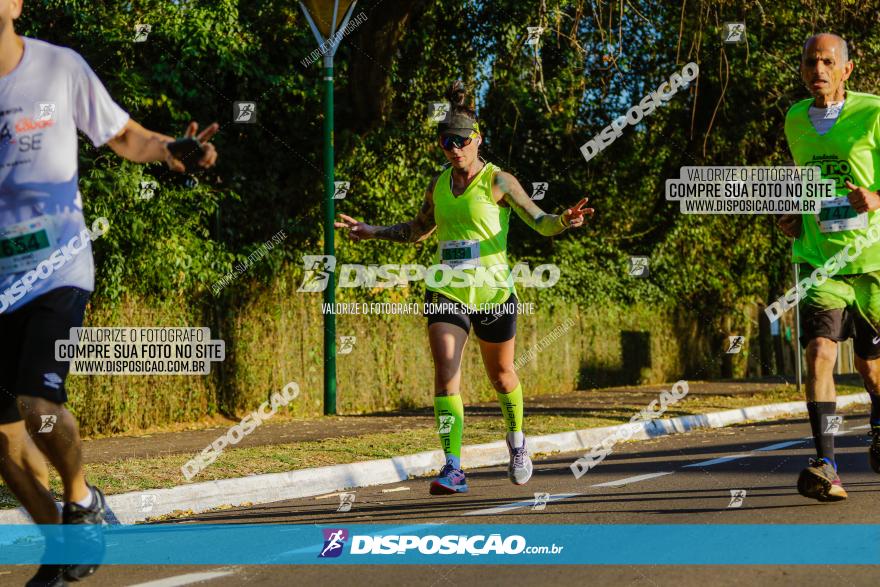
(497,326)
(842,307)
(839,324)
(27,348)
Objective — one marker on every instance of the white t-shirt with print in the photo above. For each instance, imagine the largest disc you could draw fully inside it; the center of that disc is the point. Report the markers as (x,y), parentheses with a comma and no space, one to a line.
(43,101)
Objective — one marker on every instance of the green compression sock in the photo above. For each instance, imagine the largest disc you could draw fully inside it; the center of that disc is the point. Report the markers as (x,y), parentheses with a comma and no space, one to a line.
(449,413)
(512,408)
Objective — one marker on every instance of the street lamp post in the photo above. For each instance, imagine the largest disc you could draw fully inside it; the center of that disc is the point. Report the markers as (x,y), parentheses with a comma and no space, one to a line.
(324,19)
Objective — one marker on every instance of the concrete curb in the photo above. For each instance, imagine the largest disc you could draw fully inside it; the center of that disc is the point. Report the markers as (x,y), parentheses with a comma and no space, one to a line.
(129,508)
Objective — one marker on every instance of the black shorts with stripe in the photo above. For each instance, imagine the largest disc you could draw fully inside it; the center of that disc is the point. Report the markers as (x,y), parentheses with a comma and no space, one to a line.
(494,326)
(27,348)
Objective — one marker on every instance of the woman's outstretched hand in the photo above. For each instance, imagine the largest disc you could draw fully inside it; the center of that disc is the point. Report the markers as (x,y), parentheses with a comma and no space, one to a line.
(575,216)
(357,230)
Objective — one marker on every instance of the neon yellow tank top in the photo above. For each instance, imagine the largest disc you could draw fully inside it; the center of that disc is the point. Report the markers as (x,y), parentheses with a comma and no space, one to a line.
(472,232)
(846,152)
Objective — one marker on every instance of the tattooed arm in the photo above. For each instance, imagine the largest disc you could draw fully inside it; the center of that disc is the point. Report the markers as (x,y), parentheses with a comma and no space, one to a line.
(414,231)
(515,196)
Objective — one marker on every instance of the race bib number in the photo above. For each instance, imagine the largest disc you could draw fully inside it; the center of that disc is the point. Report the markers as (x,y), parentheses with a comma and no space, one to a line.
(457,253)
(25,245)
(837,215)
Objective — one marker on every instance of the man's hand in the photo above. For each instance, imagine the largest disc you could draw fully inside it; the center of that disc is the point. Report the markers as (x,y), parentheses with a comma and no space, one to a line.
(357,230)
(138,144)
(574,217)
(210,153)
(790,225)
(861,199)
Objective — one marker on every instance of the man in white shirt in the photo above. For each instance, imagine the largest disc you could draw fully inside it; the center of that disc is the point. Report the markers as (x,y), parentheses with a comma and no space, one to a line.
(47,93)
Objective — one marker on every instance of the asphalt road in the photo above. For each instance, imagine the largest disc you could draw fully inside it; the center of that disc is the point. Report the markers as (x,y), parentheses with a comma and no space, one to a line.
(670,480)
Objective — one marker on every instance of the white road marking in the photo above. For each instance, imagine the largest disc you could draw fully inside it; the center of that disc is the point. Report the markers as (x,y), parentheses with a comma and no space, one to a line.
(635,479)
(326,495)
(187,579)
(780,445)
(392,490)
(501,509)
(717,461)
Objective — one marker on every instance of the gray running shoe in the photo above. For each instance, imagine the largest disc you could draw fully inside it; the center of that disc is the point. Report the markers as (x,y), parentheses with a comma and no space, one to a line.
(519,471)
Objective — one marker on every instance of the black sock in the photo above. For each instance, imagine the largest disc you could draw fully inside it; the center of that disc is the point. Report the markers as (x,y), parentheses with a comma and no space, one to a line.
(819,423)
(875,411)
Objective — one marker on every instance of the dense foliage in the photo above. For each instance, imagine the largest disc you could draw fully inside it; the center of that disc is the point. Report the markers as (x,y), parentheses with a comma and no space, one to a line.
(594,60)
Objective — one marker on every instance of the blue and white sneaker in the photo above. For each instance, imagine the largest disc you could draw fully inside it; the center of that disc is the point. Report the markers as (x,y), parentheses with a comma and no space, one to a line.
(450,480)
(519,471)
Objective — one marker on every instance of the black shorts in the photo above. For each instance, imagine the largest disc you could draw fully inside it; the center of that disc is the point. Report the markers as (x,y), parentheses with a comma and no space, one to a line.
(839,324)
(499,326)
(27,348)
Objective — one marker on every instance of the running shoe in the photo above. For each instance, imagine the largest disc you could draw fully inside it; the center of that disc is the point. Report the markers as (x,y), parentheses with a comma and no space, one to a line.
(874,451)
(820,481)
(48,576)
(519,470)
(450,480)
(76,514)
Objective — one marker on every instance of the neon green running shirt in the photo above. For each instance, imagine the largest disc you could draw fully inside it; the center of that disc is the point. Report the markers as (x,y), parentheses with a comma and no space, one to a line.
(849,151)
(472,234)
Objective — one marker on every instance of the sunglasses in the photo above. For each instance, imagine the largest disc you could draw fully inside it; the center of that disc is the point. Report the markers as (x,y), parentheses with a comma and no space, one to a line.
(450,141)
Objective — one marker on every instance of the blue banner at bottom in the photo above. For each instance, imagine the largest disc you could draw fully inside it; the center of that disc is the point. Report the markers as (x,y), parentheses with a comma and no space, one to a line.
(381,544)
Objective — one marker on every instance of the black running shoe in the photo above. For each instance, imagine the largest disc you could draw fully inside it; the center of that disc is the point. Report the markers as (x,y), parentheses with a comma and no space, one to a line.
(76,514)
(874,451)
(820,481)
(48,576)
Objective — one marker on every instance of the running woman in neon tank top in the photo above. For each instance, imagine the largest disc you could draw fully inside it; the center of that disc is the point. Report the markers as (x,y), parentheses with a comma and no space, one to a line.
(469,206)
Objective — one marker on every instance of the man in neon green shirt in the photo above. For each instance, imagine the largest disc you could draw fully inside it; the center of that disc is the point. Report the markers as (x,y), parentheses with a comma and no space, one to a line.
(838,131)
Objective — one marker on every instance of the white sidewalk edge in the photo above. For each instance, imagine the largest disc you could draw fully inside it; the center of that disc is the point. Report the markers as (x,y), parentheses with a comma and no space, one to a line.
(129,508)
